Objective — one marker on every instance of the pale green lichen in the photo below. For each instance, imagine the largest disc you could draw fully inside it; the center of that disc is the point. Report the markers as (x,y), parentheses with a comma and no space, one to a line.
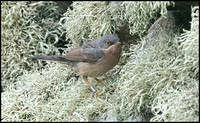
(25,33)
(139,14)
(164,68)
(90,20)
(181,101)
(160,80)
(56,95)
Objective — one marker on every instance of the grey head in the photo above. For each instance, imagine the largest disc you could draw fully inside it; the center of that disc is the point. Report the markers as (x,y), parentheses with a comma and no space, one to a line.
(93,49)
(108,40)
(103,42)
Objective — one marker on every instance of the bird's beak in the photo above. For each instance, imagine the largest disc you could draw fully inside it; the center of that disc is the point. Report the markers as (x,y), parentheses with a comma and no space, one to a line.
(118,43)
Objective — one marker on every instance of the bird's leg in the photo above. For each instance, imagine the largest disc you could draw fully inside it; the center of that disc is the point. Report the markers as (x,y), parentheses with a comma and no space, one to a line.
(91,87)
(101,88)
(99,81)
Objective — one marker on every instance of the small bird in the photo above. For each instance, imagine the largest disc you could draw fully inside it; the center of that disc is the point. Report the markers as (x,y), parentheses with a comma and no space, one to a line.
(92,59)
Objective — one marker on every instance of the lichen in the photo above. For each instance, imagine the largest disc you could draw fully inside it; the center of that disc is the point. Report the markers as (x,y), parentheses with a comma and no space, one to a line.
(159,82)
(25,33)
(140,14)
(181,102)
(157,79)
(90,20)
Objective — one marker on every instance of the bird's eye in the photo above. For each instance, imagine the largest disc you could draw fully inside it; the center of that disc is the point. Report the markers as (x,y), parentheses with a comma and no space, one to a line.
(108,43)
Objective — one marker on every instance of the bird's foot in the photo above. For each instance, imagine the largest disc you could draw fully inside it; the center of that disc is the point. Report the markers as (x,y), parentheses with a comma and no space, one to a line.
(97,93)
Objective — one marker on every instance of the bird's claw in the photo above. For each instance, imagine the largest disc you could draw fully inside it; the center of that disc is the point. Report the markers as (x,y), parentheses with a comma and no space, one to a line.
(97,93)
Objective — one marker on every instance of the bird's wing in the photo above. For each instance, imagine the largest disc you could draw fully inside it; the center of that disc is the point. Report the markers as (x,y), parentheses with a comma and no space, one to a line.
(87,53)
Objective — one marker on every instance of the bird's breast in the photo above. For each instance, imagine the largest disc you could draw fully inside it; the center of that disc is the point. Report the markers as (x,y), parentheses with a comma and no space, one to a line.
(100,67)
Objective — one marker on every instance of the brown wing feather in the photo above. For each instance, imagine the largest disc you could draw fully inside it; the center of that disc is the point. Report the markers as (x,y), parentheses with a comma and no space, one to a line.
(75,55)
(87,53)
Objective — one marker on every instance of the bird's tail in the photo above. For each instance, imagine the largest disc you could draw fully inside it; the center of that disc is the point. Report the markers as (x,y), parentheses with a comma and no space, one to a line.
(53,58)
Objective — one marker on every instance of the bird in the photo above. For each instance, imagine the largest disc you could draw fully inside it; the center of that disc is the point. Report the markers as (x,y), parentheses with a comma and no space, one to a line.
(92,59)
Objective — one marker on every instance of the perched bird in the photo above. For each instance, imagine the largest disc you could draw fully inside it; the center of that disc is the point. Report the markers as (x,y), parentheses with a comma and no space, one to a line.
(93,59)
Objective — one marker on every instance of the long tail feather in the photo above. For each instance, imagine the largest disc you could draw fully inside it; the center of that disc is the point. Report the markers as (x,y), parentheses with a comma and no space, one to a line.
(53,58)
